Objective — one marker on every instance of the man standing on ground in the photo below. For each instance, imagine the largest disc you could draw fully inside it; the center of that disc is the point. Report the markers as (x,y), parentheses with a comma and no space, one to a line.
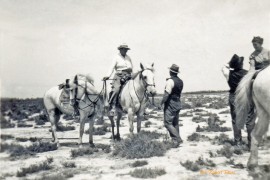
(234,72)
(172,105)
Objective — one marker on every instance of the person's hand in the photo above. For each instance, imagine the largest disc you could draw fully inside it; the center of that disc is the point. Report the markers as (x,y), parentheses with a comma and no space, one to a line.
(105,78)
(252,62)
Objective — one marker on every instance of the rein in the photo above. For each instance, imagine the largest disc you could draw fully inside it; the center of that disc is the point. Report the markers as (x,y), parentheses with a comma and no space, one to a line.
(92,103)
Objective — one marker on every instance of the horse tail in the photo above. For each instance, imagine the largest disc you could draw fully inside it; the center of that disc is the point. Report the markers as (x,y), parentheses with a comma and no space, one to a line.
(243,99)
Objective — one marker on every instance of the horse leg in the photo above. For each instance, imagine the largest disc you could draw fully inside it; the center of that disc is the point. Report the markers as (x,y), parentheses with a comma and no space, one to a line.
(53,121)
(118,117)
(139,120)
(260,129)
(130,120)
(113,125)
(91,128)
(82,123)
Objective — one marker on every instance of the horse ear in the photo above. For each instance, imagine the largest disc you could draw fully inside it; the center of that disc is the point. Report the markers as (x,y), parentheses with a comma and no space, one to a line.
(141,66)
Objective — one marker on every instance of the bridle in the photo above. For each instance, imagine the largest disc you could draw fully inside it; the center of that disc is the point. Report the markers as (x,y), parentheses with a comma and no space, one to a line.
(145,85)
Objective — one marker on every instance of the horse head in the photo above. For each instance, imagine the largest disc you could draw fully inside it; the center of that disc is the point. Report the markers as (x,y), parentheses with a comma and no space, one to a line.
(148,78)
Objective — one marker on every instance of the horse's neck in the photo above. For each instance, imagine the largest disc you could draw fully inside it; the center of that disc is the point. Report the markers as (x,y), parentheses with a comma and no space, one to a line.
(139,87)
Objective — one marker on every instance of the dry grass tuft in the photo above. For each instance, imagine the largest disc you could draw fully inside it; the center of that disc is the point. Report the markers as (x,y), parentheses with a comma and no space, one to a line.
(145,173)
(68,164)
(139,163)
(82,151)
(200,163)
(43,166)
(140,146)
(6,136)
(197,137)
(5,123)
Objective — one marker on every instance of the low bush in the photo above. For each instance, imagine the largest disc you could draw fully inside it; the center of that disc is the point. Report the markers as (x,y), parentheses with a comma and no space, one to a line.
(6,123)
(105,148)
(186,114)
(21,139)
(140,146)
(226,150)
(82,151)
(198,164)
(189,165)
(222,139)
(23,124)
(102,130)
(41,119)
(42,146)
(43,166)
(68,164)
(213,125)
(6,136)
(197,137)
(145,173)
(139,163)
(17,150)
(198,119)
(147,124)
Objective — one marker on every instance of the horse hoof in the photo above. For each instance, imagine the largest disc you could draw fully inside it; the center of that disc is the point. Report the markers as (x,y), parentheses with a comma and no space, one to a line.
(251,165)
(92,145)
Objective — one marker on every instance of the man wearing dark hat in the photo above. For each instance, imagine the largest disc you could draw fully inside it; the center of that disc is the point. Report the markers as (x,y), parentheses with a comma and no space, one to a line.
(172,104)
(260,58)
(122,68)
(234,72)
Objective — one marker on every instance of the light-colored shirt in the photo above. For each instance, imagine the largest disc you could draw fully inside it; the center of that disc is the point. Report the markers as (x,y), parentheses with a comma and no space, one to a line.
(169,86)
(119,64)
(262,56)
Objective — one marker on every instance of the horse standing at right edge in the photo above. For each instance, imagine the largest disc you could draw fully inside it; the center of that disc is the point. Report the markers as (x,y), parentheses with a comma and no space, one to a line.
(255,91)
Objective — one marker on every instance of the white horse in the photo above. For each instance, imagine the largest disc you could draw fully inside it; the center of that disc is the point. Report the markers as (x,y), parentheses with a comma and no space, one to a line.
(134,98)
(87,98)
(258,93)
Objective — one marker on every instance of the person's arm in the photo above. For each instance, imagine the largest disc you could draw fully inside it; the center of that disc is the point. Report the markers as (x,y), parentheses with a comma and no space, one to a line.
(165,98)
(252,62)
(226,70)
(111,69)
(167,92)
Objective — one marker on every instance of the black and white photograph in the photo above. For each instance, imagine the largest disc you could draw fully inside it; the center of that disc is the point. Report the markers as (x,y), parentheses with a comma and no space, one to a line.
(134,89)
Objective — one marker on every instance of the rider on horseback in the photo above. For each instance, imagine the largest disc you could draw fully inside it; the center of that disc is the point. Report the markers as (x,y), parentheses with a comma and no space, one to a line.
(260,58)
(123,68)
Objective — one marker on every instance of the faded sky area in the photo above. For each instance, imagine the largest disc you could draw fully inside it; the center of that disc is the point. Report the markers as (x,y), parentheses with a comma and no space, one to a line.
(44,42)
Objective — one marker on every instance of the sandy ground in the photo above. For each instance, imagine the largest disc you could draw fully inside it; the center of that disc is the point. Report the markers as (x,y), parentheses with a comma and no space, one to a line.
(105,166)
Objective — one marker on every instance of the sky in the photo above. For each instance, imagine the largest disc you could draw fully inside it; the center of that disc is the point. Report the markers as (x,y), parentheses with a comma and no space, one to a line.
(42,43)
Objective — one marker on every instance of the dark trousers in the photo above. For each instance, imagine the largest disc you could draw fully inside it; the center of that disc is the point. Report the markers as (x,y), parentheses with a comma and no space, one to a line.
(171,122)
(250,122)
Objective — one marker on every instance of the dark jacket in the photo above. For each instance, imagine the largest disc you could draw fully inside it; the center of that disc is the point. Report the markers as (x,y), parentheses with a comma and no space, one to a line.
(235,77)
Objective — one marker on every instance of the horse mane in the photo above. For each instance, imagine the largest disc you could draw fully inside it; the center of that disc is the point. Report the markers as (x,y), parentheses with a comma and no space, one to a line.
(243,99)
(148,66)
(135,75)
